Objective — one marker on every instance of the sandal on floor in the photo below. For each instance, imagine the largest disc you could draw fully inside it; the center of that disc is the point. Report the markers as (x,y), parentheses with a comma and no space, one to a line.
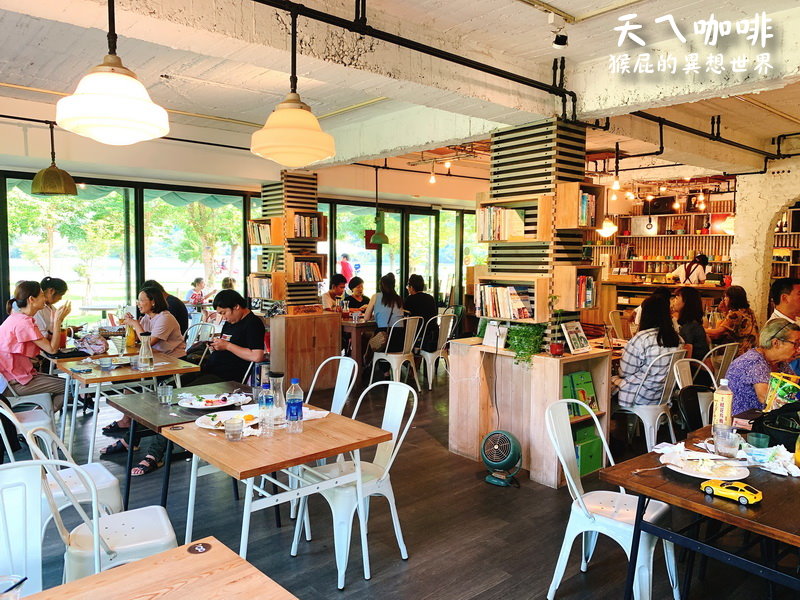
(114,427)
(147,465)
(116,448)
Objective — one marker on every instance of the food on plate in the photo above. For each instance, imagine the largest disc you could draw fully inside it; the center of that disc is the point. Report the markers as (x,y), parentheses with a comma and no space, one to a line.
(706,467)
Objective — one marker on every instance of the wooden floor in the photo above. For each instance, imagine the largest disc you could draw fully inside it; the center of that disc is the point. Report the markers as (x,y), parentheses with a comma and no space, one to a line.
(466,539)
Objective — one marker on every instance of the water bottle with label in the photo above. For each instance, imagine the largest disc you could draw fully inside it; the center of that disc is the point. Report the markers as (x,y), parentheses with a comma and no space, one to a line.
(266,405)
(294,407)
(145,352)
(723,404)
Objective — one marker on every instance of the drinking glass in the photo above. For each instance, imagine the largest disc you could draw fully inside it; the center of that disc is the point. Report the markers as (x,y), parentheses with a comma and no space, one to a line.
(758,440)
(106,364)
(6,581)
(164,394)
(233,429)
(726,441)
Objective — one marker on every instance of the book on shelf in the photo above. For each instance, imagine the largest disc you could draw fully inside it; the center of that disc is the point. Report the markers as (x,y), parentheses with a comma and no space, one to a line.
(495,223)
(585,291)
(269,261)
(504,301)
(307,271)
(586,210)
(259,233)
(259,286)
(306,226)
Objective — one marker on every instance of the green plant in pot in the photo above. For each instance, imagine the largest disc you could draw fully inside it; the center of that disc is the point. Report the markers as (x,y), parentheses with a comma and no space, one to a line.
(525,341)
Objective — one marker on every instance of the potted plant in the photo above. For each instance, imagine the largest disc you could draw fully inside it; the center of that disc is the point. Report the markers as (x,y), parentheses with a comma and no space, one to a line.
(525,340)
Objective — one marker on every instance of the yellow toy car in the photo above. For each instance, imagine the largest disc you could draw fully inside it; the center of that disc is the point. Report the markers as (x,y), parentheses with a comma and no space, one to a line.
(735,490)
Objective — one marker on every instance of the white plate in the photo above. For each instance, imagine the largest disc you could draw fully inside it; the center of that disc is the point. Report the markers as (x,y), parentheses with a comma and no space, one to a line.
(691,468)
(198,404)
(208,421)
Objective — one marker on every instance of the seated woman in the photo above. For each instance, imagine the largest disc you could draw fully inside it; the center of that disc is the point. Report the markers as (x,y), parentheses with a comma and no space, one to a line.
(165,337)
(21,340)
(739,325)
(688,307)
(387,307)
(748,375)
(356,299)
(329,298)
(420,304)
(656,336)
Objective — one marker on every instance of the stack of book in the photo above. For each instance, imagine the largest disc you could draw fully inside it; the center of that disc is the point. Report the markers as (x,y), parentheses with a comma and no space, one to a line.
(307,271)
(586,210)
(258,233)
(585,292)
(259,287)
(306,226)
(503,302)
(499,224)
(269,261)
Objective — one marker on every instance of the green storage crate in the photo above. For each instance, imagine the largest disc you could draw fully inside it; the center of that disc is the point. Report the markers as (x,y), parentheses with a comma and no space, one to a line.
(590,456)
(584,389)
(585,432)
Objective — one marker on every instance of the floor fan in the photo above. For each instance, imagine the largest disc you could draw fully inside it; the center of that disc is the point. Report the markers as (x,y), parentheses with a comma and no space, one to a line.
(502,454)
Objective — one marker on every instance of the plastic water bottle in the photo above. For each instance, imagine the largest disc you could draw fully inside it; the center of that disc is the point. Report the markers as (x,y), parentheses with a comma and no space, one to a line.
(723,404)
(266,404)
(294,407)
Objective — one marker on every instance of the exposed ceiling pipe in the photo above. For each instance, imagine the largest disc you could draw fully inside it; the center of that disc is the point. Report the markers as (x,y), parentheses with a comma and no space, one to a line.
(569,18)
(362,28)
(388,168)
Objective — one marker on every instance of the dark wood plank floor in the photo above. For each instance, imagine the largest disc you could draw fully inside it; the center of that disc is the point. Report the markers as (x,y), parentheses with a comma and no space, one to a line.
(466,539)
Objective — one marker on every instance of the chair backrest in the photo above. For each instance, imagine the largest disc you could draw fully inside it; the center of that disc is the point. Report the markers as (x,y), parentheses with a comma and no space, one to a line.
(559,430)
(621,331)
(445,322)
(200,332)
(457,310)
(6,412)
(410,327)
(669,377)
(396,403)
(45,444)
(346,375)
(686,370)
(728,352)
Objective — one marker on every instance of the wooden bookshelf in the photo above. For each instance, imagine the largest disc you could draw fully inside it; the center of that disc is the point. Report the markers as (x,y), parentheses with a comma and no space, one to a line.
(565,285)
(275,226)
(291,260)
(539,285)
(292,232)
(277,281)
(567,205)
(538,208)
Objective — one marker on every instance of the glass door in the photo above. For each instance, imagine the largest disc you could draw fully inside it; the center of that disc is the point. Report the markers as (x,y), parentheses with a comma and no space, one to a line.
(423,238)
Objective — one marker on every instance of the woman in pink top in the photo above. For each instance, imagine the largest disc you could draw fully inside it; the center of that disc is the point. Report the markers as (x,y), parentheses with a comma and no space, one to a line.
(21,340)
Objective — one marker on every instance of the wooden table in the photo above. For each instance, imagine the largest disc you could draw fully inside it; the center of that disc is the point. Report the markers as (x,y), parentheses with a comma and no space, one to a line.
(204,570)
(163,365)
(774,517)
(259,456)
(357,331)
(145,409)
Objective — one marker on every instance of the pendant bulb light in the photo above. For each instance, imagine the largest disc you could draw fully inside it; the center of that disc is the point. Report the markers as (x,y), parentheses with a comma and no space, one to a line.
(379,237)
(292,136)
(110,105)
(432,178)
(607,228)
(53,181)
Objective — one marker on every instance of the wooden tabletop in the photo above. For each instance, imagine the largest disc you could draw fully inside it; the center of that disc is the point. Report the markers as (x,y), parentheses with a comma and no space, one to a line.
(254,456)
(172,366)
(217,573)
(348,324)
(146,410)
(773,517)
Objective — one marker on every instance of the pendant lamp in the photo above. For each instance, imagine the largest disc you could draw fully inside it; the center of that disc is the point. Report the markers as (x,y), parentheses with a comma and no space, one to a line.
(379,237)
(608,228)
(110,105)
(292,136)
(53,181)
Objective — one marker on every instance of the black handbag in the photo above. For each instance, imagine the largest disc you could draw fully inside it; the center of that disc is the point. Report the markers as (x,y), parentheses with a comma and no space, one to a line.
(782,425)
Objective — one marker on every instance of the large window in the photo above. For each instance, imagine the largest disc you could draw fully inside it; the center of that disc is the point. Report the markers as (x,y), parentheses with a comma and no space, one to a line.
(189,235)
(422,248)
(475,253)
(87,240)
(351,221)
(448,254)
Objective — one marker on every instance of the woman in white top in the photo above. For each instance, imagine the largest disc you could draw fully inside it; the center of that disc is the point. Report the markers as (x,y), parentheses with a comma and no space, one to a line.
(693,272)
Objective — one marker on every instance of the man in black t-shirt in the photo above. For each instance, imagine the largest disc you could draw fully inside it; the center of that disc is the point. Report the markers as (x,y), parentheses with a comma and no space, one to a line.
(420,304)
(174,305)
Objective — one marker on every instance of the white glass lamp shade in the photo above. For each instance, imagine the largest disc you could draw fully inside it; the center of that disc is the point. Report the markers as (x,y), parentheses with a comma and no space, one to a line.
(111,106)
(292,136)
(608,228)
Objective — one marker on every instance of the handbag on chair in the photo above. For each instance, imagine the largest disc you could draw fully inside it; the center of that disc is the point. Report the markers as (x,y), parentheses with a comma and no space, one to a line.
(378,341)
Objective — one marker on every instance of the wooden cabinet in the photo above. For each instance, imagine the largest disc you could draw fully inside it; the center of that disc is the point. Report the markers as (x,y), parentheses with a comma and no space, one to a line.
(571,213)
(299,344)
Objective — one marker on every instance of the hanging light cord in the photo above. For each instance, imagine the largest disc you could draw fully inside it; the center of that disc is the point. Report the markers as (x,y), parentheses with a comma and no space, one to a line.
(616,161)
(376,192)
(112,29)
(52,145)
(293,75)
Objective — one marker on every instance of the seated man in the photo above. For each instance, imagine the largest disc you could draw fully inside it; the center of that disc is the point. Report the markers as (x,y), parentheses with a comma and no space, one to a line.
(241,342)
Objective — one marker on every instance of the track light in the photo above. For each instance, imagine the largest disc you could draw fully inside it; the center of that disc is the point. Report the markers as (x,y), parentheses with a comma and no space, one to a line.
(432,178)
(447,164)
(615,185)
(560,41)
(662,188)
(676,205)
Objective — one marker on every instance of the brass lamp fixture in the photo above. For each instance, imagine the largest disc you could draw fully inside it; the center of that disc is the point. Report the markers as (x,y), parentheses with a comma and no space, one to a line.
(292,136)
(53,181)
(379,237)
(110,104)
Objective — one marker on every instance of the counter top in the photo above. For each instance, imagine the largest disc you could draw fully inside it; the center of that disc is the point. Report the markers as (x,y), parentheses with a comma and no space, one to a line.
(566,357)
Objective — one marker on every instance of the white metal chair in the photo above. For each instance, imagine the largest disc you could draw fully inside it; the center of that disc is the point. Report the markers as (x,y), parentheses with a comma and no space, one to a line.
(409,327)
(610,513)
(45,445)
(24,421)
(651,414)
(621,330)
(200,332)
(719,358)
(431,358)
(343,500)
(686,370)
(346,375)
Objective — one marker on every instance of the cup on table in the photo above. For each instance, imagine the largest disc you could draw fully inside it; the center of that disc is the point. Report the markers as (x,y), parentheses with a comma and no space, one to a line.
(106,364)
(758,440)
(6,581)
(164,394)
(726,440)
(135,363)
(233,429)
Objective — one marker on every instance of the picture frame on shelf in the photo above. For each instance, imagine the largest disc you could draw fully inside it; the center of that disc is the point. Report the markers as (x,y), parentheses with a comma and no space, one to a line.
(576,338)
